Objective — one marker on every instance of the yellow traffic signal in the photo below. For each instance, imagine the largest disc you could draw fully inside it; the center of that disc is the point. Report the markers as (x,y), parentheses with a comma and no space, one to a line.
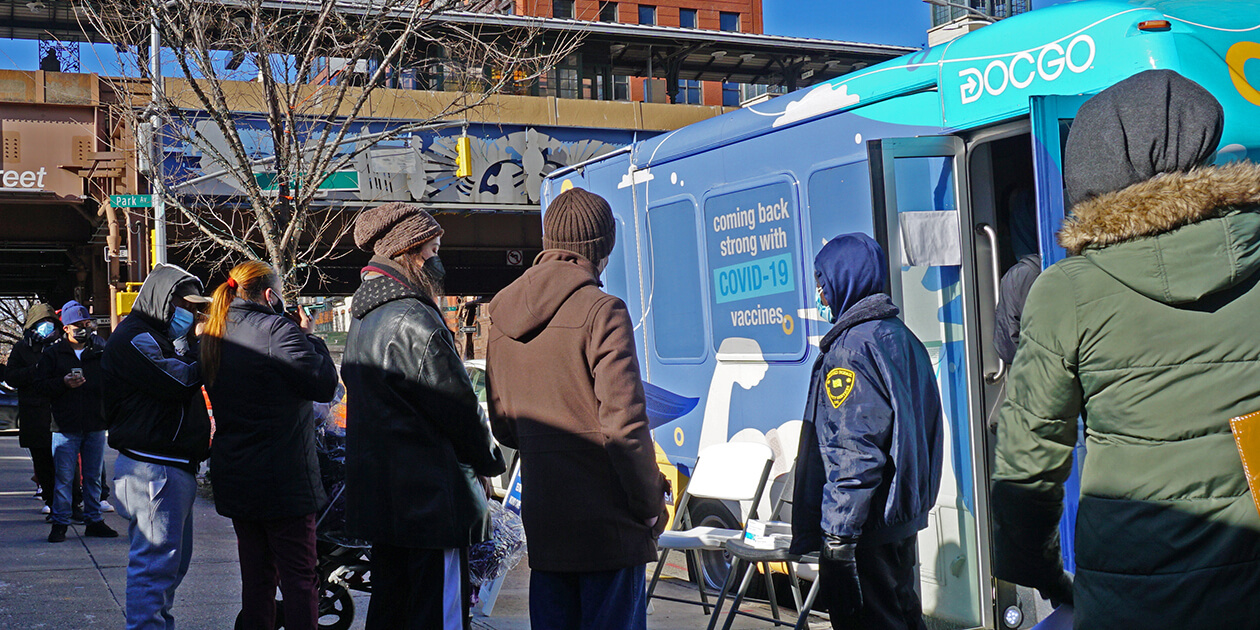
(463,157)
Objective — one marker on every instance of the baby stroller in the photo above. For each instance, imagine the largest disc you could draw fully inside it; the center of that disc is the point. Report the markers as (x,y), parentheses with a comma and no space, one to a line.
(342,562)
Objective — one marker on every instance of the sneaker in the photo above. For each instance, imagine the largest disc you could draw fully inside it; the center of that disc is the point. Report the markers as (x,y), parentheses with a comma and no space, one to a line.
(58,533)
(106,507)
(45,510)
(99,530)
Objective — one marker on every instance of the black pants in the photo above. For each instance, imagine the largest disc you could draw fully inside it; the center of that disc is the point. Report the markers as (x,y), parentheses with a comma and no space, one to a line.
(419,589)
(889,601)
(279,552)
(45,474)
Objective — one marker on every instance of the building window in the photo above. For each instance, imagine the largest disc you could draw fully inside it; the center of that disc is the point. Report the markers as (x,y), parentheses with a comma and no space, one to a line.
(647,15)
(687,18)
(689,92)
(562,9)
(608,12)
(730,95)
(568,81)
(728,21)
(621,88)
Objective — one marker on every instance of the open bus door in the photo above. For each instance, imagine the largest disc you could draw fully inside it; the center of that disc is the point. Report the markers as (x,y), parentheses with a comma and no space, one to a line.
(922,219)
(1052,117)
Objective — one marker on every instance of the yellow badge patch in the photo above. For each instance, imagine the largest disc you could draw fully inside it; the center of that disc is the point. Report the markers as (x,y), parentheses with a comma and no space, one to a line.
(839,385)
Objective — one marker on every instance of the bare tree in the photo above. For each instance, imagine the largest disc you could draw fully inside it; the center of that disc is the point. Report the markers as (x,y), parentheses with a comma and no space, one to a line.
(309,74)
(12,322)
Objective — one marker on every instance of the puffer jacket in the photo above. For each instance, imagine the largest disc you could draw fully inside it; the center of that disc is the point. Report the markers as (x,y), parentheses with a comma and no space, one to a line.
(152,393)
(263,463)
(415,440)
(1150,335)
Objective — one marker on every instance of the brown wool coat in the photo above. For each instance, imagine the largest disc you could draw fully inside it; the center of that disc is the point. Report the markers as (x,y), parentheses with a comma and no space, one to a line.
(565,392)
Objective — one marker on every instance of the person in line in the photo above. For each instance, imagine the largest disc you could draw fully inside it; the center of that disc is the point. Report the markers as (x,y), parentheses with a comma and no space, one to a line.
(565,391)
(41,330)
(70,376)
(159,425)
(262,371)
(415,440)
(1148,332)
(871,450)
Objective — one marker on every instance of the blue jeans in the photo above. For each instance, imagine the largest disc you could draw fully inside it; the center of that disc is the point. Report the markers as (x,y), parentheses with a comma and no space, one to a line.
(67,449)
(597,600)
(157,501)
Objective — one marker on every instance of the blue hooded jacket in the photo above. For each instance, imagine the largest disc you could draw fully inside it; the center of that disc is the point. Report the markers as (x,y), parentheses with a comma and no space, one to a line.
(870,457)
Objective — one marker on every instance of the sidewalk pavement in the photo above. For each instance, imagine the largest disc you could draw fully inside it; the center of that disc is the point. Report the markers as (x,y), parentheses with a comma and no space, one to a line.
(82,582)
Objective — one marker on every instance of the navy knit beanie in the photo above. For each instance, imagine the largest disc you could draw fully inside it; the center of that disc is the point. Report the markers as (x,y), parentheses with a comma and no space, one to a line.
(580,222)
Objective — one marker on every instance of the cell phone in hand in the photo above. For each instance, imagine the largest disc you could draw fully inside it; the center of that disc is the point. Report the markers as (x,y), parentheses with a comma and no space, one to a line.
(76,371)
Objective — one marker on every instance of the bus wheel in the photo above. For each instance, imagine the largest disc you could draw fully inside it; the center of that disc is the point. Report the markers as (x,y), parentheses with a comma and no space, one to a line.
(714,565)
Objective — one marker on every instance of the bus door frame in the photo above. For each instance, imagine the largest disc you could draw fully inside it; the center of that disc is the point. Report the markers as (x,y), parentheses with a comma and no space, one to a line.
(882,154)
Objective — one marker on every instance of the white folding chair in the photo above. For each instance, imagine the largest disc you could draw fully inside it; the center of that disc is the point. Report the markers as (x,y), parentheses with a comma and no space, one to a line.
(735,471)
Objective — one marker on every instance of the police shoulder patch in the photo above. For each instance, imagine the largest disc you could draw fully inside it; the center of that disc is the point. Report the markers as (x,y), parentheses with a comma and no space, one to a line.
(839,384)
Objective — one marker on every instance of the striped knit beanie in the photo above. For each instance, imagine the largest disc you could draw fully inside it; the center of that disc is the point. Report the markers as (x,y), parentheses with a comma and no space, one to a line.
(580,222)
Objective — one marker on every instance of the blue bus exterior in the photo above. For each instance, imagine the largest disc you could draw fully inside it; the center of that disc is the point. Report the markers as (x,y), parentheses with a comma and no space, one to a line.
(718,224)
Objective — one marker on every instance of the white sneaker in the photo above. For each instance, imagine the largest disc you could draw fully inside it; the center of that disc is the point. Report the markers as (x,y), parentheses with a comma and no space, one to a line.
(45,510)
(106,507)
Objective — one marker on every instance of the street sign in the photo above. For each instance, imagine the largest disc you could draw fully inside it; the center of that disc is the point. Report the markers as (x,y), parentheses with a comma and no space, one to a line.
(339,180)
(131,201)
(515,258)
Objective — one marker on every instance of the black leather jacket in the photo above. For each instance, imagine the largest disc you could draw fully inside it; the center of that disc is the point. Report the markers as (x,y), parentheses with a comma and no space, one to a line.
(415,440)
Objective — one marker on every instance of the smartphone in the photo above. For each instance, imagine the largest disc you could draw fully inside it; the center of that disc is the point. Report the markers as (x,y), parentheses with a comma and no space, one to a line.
(76,372)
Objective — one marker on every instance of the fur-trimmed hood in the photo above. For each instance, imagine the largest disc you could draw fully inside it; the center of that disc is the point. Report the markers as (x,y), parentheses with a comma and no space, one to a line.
(1177,237)
(1160,204)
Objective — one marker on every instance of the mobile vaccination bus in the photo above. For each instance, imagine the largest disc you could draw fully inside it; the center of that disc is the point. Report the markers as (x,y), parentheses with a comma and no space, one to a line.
(719,223)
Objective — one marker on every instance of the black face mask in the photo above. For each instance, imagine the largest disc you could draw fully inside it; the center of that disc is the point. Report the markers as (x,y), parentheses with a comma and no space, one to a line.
(82,335)
(433,267)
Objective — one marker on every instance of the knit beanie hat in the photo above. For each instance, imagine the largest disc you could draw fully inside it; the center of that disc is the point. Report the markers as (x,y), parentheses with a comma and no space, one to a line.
(580,222)
(393,228)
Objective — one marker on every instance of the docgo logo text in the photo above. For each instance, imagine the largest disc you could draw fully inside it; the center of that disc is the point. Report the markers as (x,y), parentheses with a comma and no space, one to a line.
(1019,70)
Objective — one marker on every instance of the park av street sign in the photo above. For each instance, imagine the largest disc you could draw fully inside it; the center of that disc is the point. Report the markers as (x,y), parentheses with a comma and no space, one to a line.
(131,201)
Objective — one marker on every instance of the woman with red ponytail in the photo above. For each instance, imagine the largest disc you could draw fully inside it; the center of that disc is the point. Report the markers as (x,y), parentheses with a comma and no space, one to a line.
(262,371)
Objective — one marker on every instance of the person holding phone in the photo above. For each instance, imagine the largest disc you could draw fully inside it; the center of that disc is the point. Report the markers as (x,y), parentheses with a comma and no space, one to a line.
(263,369)
(70,376)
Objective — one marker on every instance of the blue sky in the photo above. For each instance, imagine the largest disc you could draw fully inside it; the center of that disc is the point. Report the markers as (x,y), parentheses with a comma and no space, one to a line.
(901,22)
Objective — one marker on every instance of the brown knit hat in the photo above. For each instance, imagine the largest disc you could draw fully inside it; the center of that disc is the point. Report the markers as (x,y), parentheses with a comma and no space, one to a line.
(580,222)
(393,228)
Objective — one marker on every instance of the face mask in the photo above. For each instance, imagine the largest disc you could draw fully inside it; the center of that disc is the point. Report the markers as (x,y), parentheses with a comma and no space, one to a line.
(181,321)
(277,305)
(81,335)
(45,330)
(824,310)
(433,267)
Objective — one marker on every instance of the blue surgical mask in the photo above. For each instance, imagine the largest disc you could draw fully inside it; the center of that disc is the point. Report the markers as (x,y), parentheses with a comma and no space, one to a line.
(181,321)
(824,310)
(45,330)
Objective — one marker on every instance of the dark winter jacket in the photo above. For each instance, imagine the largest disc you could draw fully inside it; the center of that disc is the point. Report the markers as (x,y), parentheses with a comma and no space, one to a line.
(565,392)
(1015,285)
(74,409)
(34,412)
(1151,336)
(263,463)
(415,440)
(153,399)
(870,458)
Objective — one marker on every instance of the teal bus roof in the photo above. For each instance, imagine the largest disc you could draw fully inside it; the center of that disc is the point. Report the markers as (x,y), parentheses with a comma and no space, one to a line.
(989,75)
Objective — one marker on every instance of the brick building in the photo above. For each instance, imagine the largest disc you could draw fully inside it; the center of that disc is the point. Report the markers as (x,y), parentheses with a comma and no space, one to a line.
(735,16)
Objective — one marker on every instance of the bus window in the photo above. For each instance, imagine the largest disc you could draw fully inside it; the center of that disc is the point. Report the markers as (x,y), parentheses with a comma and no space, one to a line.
(753,260)
(839,202)
(677,311)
